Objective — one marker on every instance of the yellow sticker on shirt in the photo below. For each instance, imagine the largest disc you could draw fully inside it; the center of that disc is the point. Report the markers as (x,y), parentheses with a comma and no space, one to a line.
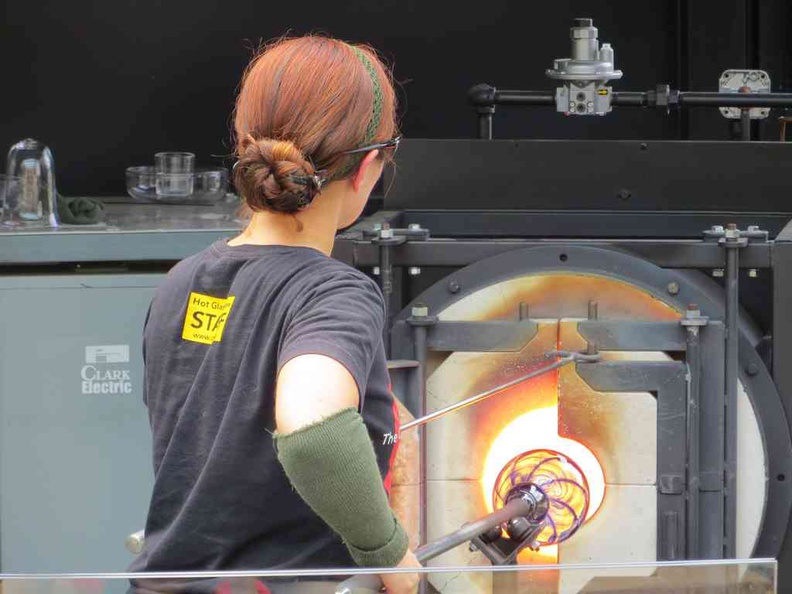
(205,318)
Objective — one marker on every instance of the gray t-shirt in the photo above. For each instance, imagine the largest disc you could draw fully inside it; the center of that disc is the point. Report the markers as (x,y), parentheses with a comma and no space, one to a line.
(219,328)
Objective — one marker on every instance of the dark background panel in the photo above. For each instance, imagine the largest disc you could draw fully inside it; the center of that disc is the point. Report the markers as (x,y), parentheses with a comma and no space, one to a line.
(107,84)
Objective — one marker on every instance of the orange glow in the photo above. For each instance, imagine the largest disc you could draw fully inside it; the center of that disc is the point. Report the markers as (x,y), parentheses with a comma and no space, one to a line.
(537,430)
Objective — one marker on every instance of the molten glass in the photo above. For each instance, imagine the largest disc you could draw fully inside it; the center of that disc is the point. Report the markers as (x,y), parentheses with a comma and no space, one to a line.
(560,479)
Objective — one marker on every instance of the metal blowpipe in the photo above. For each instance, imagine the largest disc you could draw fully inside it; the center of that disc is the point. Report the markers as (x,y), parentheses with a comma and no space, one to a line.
(566,358)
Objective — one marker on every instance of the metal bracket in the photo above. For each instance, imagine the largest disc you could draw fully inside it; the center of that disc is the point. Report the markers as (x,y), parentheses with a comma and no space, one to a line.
(744,81)
(382,232)
(668,382)
(733,237)
(693,318)
(498,336)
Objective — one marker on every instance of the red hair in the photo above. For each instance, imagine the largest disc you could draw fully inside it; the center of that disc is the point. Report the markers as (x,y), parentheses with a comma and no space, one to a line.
(303,102)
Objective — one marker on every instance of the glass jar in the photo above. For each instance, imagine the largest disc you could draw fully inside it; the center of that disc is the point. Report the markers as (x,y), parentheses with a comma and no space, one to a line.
(31,162)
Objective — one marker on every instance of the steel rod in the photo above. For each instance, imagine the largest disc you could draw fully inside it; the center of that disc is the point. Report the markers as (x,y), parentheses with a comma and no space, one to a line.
(745,124)
(732,377)
(693,441)
(419,342)
(735,99)
(485,124)
(386,285)
(688,253)
(483,395)
(712,410)
(630,99)
(524,98)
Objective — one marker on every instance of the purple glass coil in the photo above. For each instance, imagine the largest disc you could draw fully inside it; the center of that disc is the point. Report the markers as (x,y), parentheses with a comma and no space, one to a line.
(561,480)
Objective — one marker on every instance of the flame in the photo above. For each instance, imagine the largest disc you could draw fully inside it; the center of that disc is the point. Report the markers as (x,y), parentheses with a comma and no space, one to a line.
(537,430)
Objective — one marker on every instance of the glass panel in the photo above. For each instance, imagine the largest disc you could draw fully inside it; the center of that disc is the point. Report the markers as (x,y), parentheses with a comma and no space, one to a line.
(757,576)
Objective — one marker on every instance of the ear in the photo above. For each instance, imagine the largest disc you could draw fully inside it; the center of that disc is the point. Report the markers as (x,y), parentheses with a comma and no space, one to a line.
(360,174)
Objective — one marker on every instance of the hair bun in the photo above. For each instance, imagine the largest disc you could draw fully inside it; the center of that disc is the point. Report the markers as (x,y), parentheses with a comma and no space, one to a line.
(274,175)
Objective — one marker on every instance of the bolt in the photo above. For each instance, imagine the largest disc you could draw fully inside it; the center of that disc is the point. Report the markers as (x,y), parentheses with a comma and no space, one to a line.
(385,231)
(624,194)
(753,228)
(413,271)
(582,22)
(693,311)
(753,273)
(717,272)
(375,271)
(377,226)
(453,287)
(572,106)
(593,310)
(420,311)
(731,226)
(717,229)
(752,369)
(673,288)
(414,227)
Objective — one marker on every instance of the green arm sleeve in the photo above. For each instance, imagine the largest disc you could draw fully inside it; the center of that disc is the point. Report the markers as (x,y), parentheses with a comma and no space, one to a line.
(333,467)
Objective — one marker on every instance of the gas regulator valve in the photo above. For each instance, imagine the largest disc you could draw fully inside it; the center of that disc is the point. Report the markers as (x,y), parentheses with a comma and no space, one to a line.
(585,75)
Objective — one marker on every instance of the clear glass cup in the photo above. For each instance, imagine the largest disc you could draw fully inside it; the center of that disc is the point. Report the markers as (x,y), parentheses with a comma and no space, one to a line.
(209,186)
(32,162)
(174,171)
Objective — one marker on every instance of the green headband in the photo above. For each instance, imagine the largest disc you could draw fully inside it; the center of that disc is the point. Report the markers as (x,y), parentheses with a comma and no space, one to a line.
(376,114)
(376,110)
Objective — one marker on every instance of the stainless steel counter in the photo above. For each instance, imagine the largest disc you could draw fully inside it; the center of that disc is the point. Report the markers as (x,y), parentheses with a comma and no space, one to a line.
(128,232)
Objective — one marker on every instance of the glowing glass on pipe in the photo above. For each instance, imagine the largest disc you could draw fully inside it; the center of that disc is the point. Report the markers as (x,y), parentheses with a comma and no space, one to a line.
(562,483)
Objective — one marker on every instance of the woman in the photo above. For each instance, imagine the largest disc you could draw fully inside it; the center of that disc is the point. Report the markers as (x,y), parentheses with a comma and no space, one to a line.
(265,367)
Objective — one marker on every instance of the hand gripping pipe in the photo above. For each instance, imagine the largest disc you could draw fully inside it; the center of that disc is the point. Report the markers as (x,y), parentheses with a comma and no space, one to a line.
(516,508)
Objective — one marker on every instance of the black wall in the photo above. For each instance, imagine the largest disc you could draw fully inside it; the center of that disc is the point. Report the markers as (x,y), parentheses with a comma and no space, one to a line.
(106,83)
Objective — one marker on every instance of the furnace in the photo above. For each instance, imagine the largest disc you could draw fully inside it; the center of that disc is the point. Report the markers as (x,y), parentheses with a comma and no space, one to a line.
(667,434)
(606,430)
